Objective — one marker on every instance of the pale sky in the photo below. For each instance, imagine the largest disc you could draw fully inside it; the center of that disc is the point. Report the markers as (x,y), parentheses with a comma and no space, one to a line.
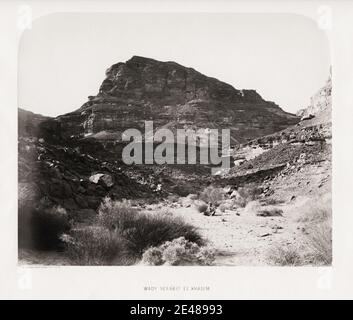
(63,58)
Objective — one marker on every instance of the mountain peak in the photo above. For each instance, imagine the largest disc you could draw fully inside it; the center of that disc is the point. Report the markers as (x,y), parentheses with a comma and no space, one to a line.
(175,96)
(141,59)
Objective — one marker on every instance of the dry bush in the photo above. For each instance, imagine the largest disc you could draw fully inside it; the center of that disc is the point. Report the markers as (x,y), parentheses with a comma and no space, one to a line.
(240,202)
(285,256)
(94,246)
(247,194)
(153,257)
(155,229)
(123,233)
(316,215)
(179,252)
(317,252)
(315,210)
(250,192)
(227,205)
(165,212)
(212,195)
(202,207)
(320,244)
(253,207)
(222,207)
(41,228)
(115,215)
(143,230)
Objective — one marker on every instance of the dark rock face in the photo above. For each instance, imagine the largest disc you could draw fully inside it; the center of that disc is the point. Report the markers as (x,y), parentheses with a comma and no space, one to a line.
(29,123)
(60,175)
(174,96)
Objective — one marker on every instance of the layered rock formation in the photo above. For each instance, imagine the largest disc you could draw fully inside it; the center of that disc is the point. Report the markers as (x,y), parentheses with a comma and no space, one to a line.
(311,136)
(172,96)
(320,104)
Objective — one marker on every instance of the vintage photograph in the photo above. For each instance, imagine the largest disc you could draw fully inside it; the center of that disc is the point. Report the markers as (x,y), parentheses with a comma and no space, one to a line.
(174,139)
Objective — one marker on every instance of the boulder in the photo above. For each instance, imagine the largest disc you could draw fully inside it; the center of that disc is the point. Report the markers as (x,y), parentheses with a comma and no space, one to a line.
(104,179)
(107,180)
(96,177)
(307,117)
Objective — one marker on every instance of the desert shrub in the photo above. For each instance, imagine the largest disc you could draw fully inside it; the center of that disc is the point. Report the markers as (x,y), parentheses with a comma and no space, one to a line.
(320,244)
(152,230)
(222,207)
(115,215)
(317,219)
(41,228)
(143,230)
(95,246)
(285,256)
(227,205)
(153,257)
(240,202)
(247,194)
(202,207)
(165,212)
(252,207)
(179,252)
(315,210)
(318,250)
(315,214)
(250,192)
(212,195)
(206,256)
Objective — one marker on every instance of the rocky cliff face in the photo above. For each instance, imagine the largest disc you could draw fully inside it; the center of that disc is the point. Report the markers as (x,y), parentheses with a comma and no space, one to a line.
(53,175)
(172,96)
(320,104)
(311,137)
(29,123)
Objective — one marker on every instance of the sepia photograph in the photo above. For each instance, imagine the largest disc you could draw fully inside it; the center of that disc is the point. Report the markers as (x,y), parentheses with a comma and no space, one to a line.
(176,155)
(174,139)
